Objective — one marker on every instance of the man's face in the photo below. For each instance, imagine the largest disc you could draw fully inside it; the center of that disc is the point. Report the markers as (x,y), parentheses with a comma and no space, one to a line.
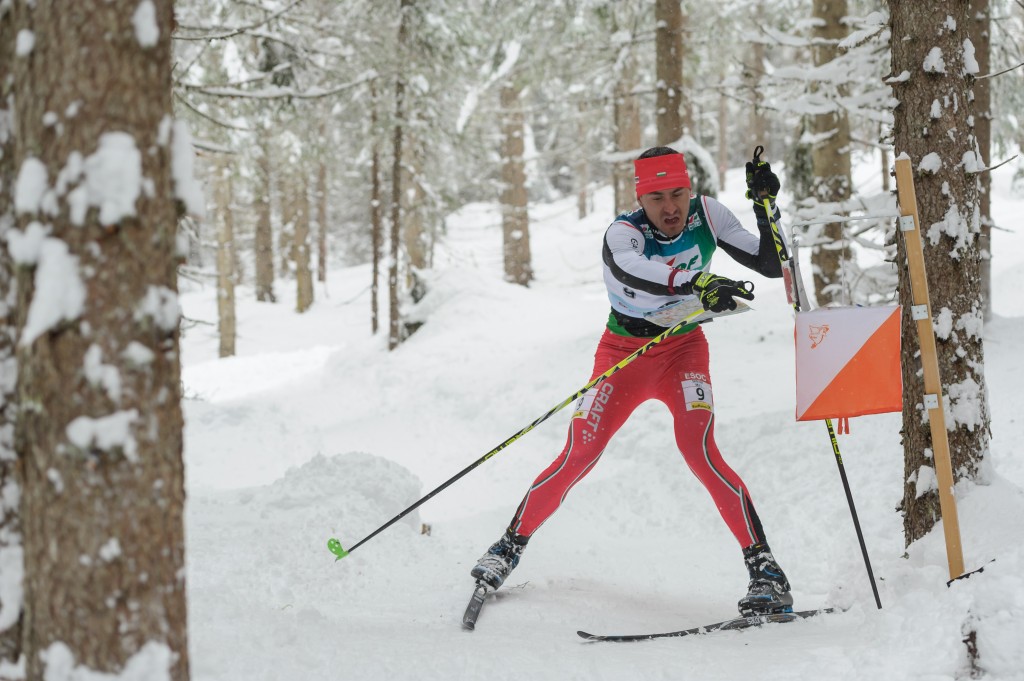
(667,209)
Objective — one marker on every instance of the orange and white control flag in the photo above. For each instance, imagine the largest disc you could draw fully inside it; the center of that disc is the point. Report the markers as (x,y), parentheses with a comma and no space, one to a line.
(848,362)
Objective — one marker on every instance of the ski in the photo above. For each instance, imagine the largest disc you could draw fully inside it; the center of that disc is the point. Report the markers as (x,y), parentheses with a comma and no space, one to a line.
(475,604)
(726,625)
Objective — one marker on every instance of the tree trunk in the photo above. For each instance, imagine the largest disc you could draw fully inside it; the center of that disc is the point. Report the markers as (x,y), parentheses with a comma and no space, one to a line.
(289,198)
(321,221)
(301,250)
(515,219)
(582,178)
(415,232)
(395,326)
(931,127)
(11,557)
(752,76)
(668,69)
(100,428)
(980,33)
(883,152)
(225,259)
(376,216)
(723,140)
(627,133)
(264,231)
(688,120)
(830,159)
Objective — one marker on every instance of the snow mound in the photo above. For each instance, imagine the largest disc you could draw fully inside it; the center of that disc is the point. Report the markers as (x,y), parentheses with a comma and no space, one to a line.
(364,490)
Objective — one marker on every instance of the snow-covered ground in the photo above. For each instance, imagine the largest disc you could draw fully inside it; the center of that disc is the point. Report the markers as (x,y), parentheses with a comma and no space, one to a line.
(314,430)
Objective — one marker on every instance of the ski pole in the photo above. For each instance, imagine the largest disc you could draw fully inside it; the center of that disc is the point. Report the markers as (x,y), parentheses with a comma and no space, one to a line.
(798,304)
(334,545)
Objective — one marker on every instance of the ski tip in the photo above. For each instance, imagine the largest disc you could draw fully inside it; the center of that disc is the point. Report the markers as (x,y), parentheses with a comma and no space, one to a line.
(334,546)
(588,637)
(468,625)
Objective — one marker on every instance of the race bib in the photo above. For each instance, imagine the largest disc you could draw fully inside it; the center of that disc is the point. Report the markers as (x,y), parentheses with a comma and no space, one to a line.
(697,394)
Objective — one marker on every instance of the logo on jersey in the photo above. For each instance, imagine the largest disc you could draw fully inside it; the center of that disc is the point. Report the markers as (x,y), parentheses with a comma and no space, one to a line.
(591,406)
(690,259)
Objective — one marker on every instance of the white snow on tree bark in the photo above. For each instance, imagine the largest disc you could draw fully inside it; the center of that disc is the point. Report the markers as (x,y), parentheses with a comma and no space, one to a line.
(11,554)
(144,20)
(970,60)
(956,227)
(151,663)
(102,375)
(106,433)
(971,162)
(931,163)
(926,481)
(25,247)
(944,323)
(113,180)
(30,185)
(59,292)
(161,305)
(12,572)
(934,63)
(24,43)
(138,354)
(110,550)
(964,406)
(972,323)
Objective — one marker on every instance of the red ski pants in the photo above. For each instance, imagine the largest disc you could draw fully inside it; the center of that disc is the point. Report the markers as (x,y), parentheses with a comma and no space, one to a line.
(676,372)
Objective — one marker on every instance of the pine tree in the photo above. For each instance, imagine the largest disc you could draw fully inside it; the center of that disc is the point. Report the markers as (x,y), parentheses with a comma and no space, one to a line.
(11,557)
(830,156)
(99,422)
(932,83)
(225,225)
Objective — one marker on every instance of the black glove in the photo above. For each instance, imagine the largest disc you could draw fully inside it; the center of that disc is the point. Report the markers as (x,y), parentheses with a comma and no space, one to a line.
(716,293)
(762,184)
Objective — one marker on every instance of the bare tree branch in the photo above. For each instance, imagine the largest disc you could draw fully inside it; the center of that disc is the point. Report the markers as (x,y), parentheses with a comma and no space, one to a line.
(203,114)
(985,170)
(283,93)
(999,73)
(234,31)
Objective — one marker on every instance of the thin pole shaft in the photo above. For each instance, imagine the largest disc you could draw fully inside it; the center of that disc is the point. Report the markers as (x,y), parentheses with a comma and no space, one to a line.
(853,510)
(333,543)
(784,260)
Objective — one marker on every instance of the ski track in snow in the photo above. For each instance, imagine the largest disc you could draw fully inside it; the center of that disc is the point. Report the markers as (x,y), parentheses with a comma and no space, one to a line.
(315,430)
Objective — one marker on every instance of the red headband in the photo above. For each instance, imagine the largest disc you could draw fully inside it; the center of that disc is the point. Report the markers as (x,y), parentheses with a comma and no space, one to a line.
(660,172)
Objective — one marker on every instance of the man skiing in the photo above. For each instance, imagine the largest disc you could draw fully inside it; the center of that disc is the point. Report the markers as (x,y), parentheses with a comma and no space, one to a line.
(654,256)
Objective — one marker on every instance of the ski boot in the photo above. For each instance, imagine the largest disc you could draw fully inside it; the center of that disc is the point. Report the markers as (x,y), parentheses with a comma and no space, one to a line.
(503,556)
(768,590)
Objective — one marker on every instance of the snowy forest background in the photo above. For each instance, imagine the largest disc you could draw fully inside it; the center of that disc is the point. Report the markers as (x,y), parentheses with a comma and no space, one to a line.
(341,172)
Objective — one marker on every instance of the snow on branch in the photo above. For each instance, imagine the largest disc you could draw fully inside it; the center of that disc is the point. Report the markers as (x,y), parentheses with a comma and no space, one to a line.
(975,171)
(231,32)
(244,81)
(203,114)
(284,92)
(829,219)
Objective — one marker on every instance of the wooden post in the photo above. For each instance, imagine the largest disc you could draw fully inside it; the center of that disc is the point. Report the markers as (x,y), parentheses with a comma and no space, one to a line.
(909,224)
